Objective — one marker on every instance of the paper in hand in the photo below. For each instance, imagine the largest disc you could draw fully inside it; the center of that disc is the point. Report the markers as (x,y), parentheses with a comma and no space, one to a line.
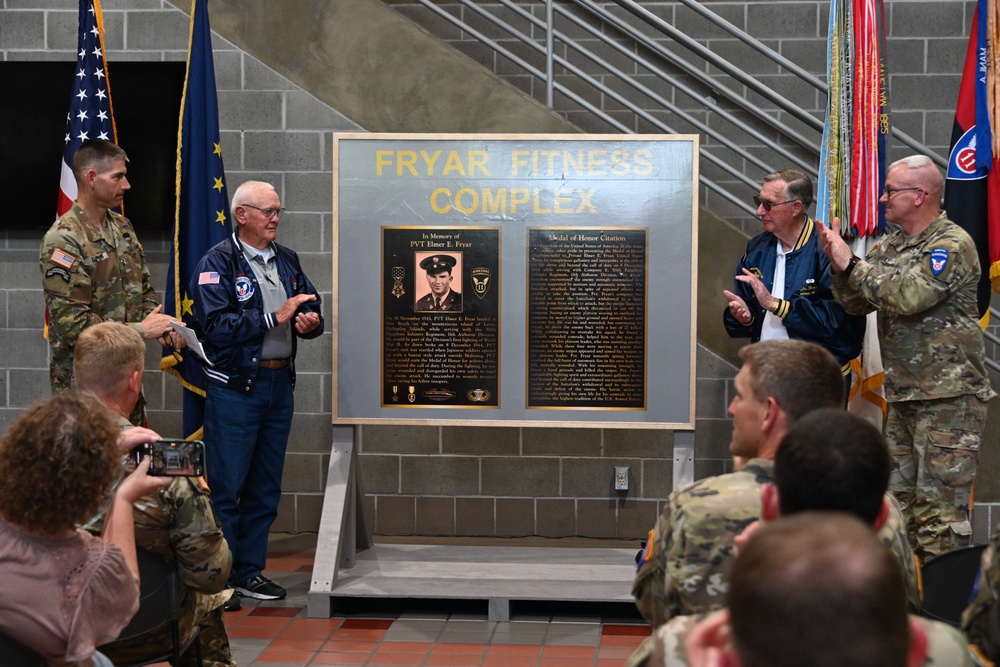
(191,339)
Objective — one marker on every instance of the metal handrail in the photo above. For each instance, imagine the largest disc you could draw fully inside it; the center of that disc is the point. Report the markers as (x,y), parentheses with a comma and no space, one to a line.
(639,37)
(758,46)
(730,95)
(753,43)
(659,24)
(678,85)
(640,42)
(994,314)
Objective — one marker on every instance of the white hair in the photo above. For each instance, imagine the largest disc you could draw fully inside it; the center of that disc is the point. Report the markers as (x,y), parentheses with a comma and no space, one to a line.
(246,191)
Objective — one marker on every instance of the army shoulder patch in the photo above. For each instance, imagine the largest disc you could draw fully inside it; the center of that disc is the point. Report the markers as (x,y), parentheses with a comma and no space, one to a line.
(58,271)
(63,258)
(939,260)
(647,551)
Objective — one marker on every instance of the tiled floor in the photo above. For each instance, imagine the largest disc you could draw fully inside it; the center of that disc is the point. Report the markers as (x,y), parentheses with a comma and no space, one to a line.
(279,634)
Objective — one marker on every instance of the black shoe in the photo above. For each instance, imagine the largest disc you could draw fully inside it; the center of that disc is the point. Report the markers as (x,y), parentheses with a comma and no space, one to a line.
(233,603)
(260,587)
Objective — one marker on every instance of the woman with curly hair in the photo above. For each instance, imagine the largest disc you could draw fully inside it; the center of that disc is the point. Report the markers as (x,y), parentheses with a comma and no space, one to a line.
(63,591)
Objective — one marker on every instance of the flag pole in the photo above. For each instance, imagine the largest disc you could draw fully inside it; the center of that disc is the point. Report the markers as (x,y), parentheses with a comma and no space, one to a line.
(201,212)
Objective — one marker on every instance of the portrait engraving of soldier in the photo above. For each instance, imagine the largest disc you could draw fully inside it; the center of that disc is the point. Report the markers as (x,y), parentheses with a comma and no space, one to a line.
(440,317)
(443,273)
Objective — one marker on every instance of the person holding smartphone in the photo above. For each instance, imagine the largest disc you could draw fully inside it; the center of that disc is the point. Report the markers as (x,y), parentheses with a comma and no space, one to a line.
(64,591)
(178,522)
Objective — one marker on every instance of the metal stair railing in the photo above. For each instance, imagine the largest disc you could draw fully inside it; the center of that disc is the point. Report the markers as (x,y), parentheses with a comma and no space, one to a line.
(760,47)
(567,46)
(990,338)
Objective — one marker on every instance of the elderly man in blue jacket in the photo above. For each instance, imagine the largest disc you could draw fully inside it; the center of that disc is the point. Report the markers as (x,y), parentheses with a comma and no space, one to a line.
(782,286)
(252,302)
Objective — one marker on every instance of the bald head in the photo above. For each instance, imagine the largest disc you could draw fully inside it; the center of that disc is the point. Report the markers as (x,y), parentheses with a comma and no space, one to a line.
(912,196)
(920,171)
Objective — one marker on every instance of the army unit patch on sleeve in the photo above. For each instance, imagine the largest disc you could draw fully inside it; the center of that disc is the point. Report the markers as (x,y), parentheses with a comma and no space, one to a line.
(647,549)
(939,260)
(57,271)
(63,258)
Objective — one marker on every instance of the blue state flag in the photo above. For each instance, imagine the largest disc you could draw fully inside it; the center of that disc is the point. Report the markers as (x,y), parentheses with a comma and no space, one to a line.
(202,207)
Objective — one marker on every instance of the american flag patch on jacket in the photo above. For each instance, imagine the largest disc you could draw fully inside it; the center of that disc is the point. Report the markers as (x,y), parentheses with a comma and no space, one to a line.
(208,278)
(63,258)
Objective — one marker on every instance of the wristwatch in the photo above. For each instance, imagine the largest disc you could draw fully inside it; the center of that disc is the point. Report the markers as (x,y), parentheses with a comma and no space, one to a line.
(851,263)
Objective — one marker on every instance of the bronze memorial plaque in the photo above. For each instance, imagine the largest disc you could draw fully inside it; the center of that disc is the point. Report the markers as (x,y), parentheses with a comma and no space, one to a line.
(586,301)
(441,317)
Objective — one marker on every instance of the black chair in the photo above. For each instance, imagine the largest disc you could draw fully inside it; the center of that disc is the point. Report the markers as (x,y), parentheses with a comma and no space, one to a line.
(159,603)
(16,654)
(948,580)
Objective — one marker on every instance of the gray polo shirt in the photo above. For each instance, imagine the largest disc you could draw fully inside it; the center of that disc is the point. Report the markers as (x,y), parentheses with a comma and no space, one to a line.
(277,341)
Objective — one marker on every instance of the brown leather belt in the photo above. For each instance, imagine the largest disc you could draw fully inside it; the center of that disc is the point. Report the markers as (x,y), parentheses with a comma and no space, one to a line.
(273,363)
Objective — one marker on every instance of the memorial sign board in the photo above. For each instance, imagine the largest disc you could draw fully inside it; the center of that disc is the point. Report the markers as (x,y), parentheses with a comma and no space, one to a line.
(515,279)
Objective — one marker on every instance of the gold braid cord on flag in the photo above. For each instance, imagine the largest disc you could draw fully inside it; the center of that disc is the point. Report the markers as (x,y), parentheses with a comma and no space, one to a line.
(837,165)
(852,161)
(993,102)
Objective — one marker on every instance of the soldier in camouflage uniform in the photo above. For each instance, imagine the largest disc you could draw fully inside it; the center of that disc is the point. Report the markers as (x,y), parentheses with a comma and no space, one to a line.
(832,460)
(818,589)
(93,269)
(981,621)
(177,523)
(668,645)
(682,570)
(922,279)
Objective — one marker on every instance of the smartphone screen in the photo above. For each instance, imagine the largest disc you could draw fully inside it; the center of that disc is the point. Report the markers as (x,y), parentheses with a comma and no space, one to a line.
(174,457)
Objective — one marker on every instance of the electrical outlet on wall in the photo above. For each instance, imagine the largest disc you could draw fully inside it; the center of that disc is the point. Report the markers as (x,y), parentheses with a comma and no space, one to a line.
(621,478)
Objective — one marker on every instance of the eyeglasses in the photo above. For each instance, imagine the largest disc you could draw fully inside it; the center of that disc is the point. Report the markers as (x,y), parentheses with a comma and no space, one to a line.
(268,212)
(768,205)
(889,192)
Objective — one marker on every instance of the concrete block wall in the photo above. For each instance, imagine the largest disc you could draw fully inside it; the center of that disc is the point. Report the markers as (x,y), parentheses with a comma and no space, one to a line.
(424,481)
(417,480)
(271,130)
(926,43)
(515,482)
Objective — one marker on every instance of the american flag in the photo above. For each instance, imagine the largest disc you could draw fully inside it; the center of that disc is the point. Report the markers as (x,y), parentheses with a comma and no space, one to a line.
(90,115)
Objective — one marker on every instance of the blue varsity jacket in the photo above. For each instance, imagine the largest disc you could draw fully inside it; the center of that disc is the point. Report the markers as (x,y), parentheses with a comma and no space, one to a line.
(809,311)
(230,310)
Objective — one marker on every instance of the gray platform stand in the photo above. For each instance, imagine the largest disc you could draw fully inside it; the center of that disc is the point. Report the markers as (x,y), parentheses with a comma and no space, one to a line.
(497,575)
(342,526)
